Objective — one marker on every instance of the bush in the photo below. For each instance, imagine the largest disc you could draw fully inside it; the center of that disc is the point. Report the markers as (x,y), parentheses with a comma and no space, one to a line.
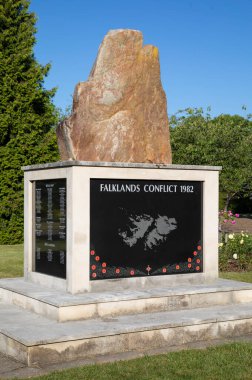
(27,113)
(235,252)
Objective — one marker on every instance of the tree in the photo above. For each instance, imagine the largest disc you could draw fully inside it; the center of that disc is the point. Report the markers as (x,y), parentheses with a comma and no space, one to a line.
(225,141)
(27,113)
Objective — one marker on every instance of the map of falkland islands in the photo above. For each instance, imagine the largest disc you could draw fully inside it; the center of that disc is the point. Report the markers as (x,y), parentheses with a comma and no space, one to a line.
(150,231)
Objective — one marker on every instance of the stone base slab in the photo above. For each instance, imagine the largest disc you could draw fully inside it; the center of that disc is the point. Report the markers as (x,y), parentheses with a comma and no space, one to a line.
(62,306)
(36,340)
(32,328)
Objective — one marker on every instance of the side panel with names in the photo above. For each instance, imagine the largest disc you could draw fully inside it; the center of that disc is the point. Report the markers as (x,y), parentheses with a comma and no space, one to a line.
(50,227)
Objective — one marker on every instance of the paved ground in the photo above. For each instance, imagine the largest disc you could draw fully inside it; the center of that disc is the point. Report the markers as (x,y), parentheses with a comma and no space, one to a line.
(242,224)
(10,368)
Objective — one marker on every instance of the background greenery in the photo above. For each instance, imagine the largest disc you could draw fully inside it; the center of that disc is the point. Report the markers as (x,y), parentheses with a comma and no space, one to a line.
(27,114)
(225,140)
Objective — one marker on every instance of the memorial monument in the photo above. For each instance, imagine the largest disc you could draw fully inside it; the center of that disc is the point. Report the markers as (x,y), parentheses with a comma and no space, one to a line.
(116,230)
(138,223)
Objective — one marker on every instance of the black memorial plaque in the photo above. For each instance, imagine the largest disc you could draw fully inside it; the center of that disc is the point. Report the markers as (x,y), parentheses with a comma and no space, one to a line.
(50,227)
(145,227)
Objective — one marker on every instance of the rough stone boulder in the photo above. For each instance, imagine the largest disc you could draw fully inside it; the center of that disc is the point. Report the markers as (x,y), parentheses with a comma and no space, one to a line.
(119,114)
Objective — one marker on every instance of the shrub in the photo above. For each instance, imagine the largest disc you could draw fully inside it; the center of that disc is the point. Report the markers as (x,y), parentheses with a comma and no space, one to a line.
(235,252)
(27,113)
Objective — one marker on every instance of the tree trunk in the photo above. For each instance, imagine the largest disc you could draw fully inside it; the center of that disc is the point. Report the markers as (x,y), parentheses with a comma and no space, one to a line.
(227,202)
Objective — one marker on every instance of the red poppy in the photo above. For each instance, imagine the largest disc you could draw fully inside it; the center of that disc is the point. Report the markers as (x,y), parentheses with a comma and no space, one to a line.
(198,261)
(132,272)
(197,268)
(195,253)
(117,270)
(189,265)
(93,267)
(92,252)
(177,266)
(199,247)
(97,258)
(189,260)
(104,265)
(93,275)
(104,270)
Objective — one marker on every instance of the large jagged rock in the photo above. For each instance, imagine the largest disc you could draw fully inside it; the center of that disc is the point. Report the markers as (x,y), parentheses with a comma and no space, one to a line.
(120,113)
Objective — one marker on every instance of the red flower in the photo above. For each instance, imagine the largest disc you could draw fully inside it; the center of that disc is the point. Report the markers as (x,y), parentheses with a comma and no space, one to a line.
(195,253)
(177,266)
(148,268)
(197,268)
(189,265)
(97,258)
(198,261)
(199,247)
(92,252)
(104,270)
(164,270)
(93,267)
(117,270)
(104,265)
(94,275)
(189,260)
(132,272)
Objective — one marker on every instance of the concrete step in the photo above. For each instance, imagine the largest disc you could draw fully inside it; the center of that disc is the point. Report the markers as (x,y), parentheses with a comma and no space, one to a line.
(62,306)
(37,340)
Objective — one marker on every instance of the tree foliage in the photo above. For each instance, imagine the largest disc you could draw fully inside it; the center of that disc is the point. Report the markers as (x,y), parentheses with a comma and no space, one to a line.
(225,140)
(27,114)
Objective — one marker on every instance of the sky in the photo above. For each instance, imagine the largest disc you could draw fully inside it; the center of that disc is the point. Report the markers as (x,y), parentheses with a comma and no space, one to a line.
(204,46)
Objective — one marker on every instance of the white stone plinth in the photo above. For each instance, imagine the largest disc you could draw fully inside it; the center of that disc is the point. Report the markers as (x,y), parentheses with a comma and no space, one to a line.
(78,176)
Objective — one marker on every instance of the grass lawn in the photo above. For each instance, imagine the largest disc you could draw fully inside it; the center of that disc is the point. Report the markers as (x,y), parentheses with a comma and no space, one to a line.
(11,260)
(237,276)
